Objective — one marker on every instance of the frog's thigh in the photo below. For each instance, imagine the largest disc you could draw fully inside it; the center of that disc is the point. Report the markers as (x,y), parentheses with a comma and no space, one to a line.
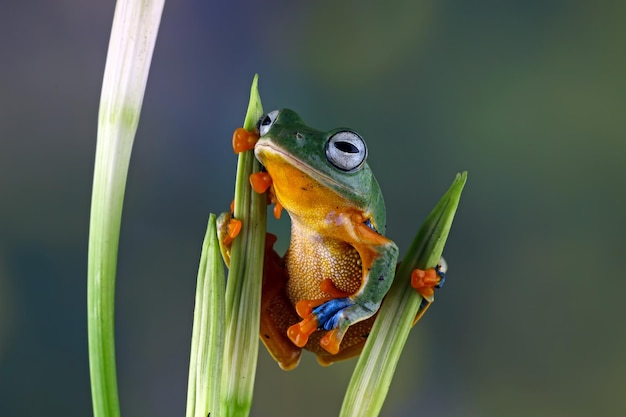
(276,317)
(277,312)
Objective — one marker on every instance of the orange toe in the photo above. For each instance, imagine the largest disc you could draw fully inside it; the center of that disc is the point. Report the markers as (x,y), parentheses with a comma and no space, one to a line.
(260,182)
(278,209)
(329,287)
(244,140)
(330,342)
(424,282)
(299,333)
(304,308)
(234,227)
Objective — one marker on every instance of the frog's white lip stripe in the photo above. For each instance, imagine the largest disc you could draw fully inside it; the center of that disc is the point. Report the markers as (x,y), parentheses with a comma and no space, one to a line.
(266,146)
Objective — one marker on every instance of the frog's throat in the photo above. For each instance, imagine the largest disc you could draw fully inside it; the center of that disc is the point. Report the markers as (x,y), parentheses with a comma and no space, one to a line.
(263,146)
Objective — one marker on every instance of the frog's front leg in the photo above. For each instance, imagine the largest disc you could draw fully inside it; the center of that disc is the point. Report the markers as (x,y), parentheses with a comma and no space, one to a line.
(378,259)
(425,282)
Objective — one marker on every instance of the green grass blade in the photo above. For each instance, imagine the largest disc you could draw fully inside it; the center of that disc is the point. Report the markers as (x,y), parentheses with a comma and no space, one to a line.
(243,290)
(207,342)
(133,35)
(373,373)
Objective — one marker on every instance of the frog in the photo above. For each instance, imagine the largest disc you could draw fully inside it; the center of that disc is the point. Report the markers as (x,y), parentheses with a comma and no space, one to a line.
(323,294)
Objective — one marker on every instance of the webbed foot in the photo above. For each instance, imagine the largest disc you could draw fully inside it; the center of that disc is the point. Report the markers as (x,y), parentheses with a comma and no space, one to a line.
(227,230)
(425,281)
(334,315)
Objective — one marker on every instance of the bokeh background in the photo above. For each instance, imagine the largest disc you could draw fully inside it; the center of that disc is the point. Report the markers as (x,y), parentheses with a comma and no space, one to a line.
(529,97)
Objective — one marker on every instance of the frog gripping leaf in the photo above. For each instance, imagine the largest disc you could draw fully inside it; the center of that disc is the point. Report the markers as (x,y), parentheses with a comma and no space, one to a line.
(323,294)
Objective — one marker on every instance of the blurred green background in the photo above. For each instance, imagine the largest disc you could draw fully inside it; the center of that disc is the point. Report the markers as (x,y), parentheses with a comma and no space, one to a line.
(529,97)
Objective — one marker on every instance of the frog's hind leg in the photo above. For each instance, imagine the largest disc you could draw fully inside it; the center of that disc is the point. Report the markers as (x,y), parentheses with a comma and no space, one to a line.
(351,345)
(277,312)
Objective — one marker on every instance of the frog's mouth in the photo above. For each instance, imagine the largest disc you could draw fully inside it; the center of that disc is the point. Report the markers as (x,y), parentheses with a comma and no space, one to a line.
(264,149)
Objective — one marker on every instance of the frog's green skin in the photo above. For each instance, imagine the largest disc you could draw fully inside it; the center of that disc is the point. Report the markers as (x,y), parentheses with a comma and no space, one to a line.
(338,220)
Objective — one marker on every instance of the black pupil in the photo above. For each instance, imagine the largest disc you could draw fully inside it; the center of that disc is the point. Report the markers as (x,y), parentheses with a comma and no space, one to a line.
(346,147)
(266,121)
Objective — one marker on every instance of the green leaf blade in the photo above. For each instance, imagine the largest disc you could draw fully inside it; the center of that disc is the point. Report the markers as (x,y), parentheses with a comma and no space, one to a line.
(375,368)
(132,40)
(243,290)
(207,343)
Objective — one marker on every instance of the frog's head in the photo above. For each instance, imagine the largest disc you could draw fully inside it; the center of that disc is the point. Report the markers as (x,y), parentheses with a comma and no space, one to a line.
(298,157)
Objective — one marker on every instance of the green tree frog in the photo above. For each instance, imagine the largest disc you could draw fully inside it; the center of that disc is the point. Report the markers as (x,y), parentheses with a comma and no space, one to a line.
(323,294)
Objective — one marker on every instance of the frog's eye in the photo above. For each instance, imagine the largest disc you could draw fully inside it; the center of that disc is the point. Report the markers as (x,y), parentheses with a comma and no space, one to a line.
(267,121)
(346,150)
